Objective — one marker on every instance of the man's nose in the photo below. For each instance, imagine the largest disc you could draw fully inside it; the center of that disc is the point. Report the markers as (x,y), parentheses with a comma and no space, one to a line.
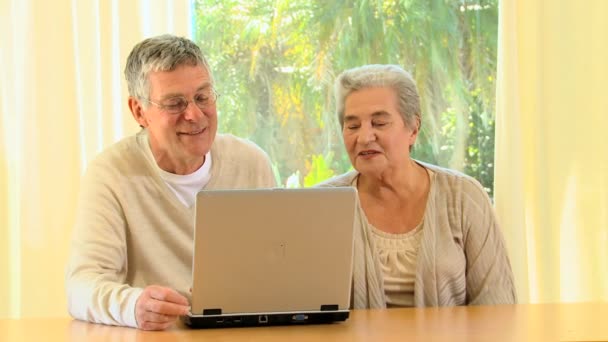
(193,112)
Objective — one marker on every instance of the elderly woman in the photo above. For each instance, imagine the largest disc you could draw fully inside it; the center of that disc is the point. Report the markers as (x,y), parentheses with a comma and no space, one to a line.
(425,235)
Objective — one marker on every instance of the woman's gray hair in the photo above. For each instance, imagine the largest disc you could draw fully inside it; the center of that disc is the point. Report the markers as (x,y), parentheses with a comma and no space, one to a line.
(160,53)
(380,75)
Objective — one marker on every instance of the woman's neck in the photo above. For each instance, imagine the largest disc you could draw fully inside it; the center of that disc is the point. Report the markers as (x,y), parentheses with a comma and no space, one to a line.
(401,183)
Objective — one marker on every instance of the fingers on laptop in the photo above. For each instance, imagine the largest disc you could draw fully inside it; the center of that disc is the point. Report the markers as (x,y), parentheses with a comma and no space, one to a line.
(156,326)
(166,294)
(159,307)
(149,324)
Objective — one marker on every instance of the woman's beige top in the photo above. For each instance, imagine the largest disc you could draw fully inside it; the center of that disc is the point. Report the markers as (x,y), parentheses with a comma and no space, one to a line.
(397,254)
(462,258)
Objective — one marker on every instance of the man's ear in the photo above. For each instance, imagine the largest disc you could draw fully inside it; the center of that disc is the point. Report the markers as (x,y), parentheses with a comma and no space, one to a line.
(137,111)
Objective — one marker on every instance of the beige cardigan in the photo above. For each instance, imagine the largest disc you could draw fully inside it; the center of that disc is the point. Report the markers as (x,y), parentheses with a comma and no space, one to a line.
(132,231)
(462,257)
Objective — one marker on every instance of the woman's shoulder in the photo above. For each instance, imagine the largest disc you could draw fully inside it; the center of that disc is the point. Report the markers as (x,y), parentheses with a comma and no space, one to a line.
(455,182)
(345,179)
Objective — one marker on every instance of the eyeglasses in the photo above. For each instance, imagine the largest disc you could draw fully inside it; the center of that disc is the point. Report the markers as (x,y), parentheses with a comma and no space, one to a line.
(178,104)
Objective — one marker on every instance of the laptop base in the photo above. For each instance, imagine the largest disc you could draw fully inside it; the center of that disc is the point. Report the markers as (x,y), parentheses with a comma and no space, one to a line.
(251,320)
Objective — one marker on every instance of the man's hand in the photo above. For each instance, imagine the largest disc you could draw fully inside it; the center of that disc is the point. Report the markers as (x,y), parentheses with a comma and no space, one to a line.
(158,308)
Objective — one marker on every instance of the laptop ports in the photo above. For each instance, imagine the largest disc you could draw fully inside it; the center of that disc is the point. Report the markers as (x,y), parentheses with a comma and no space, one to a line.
(262,319)
(299,318)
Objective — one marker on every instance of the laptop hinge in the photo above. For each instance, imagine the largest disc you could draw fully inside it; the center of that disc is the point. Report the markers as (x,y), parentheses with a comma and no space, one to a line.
(329,307)
(212,312)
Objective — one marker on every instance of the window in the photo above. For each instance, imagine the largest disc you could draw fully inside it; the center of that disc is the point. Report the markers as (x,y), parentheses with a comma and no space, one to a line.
(275,63)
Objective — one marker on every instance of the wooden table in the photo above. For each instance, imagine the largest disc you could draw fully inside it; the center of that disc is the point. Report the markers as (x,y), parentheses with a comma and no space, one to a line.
(533,322)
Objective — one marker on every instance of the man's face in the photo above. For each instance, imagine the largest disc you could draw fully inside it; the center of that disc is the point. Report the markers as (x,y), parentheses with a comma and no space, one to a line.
(180,139)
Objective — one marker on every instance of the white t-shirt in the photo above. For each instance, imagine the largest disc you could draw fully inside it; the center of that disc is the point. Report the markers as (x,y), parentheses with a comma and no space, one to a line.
(185,187)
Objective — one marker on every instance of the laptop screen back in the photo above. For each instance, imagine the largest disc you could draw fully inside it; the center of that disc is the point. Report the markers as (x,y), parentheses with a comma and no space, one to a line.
(273,250)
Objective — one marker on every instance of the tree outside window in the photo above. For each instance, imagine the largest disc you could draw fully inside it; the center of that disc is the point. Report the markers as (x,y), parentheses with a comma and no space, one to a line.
(275,63)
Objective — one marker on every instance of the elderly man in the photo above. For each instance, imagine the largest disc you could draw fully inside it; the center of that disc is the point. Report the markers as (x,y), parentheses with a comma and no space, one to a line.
(131,258)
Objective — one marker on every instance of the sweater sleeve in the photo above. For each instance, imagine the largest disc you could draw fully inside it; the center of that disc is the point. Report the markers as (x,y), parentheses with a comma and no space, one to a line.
(489,278)
(267,178)
(97,266)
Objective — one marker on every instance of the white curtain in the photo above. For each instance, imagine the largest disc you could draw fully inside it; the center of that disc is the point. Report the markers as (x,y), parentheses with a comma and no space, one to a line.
(551,177)
(62,100)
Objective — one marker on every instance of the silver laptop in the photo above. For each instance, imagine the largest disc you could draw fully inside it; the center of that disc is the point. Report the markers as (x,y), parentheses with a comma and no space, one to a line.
(272,256)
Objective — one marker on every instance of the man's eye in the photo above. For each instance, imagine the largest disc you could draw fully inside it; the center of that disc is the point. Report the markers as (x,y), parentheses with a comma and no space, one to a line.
(173,108)
(352,127)
(379,124)
(173,103)
(201,98)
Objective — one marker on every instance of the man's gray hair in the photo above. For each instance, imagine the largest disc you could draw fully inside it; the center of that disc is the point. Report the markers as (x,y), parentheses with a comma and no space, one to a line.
(379,75)
(160,53)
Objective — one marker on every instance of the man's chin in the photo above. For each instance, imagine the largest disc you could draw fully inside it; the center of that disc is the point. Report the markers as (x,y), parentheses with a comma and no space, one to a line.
(197,146)
(197,153)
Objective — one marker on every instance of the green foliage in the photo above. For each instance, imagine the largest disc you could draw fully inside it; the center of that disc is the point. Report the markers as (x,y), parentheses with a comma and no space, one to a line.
(319,171)
(275,63)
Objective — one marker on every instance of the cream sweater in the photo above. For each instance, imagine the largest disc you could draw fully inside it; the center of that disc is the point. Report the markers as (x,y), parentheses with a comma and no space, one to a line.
(462,259)
(131,230)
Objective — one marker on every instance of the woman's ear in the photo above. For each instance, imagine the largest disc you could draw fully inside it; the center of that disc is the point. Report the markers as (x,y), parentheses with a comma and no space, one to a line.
(137,111)
(414,130)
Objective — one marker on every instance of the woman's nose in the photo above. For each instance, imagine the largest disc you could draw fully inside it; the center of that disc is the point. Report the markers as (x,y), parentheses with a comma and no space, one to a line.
(366,135)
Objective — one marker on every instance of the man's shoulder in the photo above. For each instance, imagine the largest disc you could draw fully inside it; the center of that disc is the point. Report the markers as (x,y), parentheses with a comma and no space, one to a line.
(239,163)
(123,154)
(230,147)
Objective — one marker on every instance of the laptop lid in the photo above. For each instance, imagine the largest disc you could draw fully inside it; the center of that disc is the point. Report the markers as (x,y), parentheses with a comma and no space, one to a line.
(273,250)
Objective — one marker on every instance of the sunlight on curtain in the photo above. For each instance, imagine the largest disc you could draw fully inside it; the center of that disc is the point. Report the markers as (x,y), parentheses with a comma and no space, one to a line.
(551,184)
(62,100)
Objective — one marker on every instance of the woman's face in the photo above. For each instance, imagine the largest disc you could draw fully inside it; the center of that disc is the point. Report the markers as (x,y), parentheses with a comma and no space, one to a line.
(375,135)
